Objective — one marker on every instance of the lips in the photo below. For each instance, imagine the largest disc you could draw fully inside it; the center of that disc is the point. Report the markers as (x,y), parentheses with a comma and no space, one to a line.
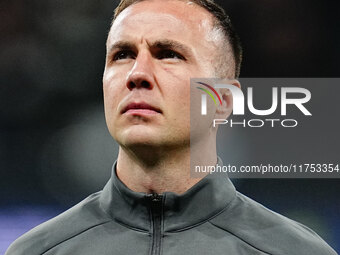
(140,107)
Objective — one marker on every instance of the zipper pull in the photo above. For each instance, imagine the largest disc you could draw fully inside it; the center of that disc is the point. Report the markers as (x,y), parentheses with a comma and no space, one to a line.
(154,197)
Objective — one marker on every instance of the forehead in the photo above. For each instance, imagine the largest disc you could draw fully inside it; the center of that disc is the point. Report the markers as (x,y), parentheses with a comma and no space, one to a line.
(173,18)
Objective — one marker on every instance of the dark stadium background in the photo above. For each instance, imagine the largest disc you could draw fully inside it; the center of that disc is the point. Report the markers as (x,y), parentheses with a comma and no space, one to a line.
(54,146)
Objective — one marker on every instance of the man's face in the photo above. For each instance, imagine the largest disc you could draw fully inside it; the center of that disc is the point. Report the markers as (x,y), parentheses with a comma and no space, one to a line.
(153,49)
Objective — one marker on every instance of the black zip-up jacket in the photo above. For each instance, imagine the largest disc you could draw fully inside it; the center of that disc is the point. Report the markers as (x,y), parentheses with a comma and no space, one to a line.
(210,218)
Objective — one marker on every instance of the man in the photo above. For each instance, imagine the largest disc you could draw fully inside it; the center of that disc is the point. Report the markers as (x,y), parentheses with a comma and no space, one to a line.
(151,205)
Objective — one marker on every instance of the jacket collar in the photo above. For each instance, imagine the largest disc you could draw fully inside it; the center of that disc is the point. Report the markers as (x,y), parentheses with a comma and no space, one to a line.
(201,202)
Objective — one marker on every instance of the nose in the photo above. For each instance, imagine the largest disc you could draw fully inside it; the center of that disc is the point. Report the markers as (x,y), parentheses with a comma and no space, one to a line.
(141,74)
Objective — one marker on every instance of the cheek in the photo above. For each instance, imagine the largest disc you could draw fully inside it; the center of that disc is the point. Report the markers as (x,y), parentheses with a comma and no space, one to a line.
(113,88)
(109,96)
(179,103)
(177,90)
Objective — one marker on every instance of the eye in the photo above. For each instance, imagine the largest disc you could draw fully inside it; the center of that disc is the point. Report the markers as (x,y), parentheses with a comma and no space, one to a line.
(124,54)
(163,54)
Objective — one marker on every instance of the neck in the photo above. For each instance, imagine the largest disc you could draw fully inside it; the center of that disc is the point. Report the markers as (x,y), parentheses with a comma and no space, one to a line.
(158,170)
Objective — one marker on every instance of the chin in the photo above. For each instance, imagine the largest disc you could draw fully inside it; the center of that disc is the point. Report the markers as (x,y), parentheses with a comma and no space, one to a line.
(140,141)
(137,137)
(143,136)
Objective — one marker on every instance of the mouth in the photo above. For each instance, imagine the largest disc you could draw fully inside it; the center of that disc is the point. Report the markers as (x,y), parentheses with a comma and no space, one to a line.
(140,108)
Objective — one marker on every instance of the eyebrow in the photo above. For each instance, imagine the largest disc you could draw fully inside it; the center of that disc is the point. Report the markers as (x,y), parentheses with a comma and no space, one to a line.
(158,44)
(171,44)
(121,45)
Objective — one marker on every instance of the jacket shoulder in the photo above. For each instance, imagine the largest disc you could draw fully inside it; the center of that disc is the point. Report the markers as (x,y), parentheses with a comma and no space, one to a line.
(268,231)
(77,219)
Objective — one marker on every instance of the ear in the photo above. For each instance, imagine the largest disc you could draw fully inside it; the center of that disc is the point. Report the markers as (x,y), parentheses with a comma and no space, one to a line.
(223,111)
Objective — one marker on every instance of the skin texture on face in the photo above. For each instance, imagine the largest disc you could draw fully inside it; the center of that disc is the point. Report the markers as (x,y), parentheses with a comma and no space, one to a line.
(153,49)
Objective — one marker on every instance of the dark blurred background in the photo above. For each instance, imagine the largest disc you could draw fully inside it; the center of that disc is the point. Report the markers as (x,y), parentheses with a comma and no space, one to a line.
(54,146)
